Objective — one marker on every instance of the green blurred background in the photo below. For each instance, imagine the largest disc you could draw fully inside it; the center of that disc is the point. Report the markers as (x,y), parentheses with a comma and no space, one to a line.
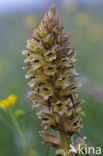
(83,21)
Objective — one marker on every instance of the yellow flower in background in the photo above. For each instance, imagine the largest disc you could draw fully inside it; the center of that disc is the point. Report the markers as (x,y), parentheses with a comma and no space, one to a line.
(94,32)
(12,99)
(9,102)
(82,19)
(32,20)
(4,103)
(33,153)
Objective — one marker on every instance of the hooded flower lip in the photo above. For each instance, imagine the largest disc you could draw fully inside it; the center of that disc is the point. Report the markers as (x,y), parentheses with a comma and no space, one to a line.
(50,62)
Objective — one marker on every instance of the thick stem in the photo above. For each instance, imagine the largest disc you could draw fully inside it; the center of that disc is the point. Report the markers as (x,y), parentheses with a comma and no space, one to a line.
(65,142)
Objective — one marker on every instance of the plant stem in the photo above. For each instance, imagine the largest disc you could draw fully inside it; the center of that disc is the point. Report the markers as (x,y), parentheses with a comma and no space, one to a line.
(19,130)
(65,142)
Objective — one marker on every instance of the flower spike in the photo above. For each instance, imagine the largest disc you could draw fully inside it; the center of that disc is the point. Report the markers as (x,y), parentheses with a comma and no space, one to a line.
(50,62)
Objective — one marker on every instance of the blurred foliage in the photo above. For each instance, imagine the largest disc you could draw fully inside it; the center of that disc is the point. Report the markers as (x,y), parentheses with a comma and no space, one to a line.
(86,28)
(82,19)
(32,20)
(72,7)
(33,153)
(4,66)
(94,32)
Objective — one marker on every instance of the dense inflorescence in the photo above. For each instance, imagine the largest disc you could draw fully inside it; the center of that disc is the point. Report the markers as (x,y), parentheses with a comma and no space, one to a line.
(51,60)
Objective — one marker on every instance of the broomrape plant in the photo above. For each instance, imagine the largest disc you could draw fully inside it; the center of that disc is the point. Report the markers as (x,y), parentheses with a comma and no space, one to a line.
(50,62)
